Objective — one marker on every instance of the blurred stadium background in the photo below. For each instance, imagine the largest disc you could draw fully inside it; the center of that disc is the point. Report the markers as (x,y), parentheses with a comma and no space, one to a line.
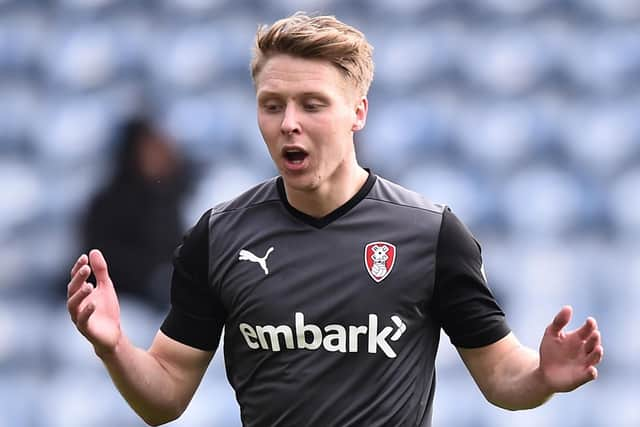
(522,115)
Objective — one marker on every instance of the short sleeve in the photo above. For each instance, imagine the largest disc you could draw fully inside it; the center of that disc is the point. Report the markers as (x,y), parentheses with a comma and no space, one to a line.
(463,302)
(196,317)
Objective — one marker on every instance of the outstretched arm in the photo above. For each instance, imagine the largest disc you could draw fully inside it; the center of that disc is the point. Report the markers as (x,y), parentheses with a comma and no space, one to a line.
(159,383)
(515,377)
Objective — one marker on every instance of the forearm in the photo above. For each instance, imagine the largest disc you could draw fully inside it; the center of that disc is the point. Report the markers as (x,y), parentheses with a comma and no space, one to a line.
(516,382)
(145,383)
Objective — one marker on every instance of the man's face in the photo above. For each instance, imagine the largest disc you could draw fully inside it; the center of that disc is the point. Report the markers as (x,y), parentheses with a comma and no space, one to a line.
(307,113)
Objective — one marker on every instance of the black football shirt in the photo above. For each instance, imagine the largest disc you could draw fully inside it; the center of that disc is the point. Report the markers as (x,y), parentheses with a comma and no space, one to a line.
(332,321)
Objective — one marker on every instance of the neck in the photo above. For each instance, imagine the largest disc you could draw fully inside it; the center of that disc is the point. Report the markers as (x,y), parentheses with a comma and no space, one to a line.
(321,201)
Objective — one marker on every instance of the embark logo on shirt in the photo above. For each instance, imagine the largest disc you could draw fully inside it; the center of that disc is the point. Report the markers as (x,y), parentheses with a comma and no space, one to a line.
(333,337)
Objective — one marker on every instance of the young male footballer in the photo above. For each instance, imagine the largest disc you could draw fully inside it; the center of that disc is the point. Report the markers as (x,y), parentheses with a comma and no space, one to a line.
(332,284)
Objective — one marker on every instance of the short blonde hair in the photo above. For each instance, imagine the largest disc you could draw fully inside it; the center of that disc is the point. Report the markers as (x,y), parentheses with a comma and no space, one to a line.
(317,37)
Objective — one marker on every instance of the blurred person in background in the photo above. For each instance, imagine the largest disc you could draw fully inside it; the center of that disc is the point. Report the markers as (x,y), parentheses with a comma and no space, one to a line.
(332,284)
(135,218)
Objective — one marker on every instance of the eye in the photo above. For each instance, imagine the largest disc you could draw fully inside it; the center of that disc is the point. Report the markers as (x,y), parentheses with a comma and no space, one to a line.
(312,106)
(272,107)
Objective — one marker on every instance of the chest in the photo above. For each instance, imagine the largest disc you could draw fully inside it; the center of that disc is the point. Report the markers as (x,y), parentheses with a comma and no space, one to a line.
(335,275)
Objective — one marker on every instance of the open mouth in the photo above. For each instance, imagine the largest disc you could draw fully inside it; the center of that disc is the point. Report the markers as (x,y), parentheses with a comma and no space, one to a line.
(295,155)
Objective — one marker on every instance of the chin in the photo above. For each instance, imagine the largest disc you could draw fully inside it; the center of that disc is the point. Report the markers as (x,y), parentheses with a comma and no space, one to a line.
(300,182)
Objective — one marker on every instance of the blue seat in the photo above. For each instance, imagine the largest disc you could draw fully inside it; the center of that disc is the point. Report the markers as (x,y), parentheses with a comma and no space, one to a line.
(19,395)
(195,8)
(608,10)
(605,62)
(403,131)
(186,60)
(496,137)
(602,138)
(89,5)
(413,57)
(210,125)
(75,397)
(624,203)
(618,392)
(543,201)
(404,9)
(60,142)
(506,61)
(23,35)
(223,182)
(85,58)
(21,193)
(510,9)
(20,99)
(213,404)
(24,325)
(451,186)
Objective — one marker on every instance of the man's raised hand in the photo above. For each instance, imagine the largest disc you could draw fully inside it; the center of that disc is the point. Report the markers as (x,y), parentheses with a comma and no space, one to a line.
(94,311)
(568,359)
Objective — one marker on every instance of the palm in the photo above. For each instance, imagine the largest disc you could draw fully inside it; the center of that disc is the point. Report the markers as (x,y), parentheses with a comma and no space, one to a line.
(103,327)
(95,311)
(567,360)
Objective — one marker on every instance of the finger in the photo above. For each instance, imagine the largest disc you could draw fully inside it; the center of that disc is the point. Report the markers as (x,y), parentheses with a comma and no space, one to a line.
(587,329)
(76,300)
(77,280)
(592,373)
(560,321)
(82,260)
(592,341)
(595,356)
(84,315)
(99,267)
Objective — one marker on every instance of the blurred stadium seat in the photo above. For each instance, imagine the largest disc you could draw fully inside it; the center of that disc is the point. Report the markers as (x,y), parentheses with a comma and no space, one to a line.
(541,201)
(506,61)
(451,186)
(613,10)
(625,202)
(22,199)
(603,139)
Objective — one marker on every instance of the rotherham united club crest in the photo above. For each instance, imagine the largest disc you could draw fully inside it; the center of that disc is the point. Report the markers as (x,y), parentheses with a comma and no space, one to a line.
(379,258)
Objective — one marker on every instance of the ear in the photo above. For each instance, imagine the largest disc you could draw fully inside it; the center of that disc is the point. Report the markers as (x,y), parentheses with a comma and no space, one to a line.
(360,116)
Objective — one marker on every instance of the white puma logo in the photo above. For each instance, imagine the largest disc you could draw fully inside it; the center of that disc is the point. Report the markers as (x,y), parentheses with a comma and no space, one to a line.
(248,256)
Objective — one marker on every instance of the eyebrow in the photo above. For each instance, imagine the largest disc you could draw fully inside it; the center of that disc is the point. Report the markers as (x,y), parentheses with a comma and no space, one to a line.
(266,94)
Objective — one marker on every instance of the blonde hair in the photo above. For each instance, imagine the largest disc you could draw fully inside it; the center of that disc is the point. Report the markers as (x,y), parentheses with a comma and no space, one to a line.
(317,37)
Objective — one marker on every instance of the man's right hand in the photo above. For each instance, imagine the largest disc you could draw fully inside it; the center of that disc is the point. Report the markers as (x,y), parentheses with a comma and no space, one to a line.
(94,311)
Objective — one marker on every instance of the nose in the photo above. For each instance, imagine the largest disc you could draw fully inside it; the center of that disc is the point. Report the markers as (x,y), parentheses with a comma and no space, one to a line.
(290,123)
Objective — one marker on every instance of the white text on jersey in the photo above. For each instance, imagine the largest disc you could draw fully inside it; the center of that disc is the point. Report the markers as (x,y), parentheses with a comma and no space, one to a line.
(332,337)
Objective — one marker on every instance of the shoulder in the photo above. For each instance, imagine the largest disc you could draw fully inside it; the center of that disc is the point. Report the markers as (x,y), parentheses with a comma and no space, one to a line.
(260,194)
(388,192)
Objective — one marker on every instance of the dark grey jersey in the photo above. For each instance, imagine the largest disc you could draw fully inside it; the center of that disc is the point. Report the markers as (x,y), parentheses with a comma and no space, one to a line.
(332,321)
